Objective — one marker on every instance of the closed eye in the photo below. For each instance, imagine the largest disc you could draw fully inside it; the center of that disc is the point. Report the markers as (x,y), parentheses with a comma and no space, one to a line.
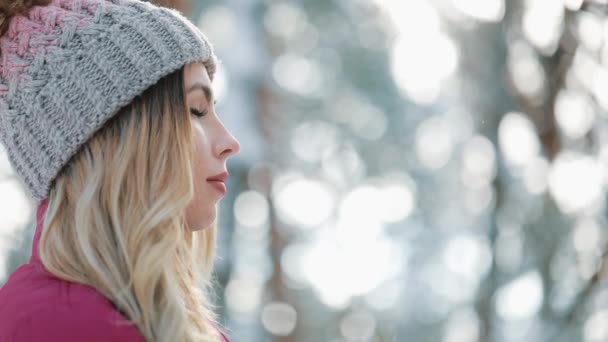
(197,112)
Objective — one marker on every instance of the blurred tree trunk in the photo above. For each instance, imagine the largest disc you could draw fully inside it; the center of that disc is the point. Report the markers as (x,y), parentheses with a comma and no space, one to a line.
(184,6)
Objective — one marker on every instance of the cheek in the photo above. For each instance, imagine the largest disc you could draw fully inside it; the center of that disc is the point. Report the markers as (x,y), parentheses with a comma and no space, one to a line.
(201,211)
(200,157)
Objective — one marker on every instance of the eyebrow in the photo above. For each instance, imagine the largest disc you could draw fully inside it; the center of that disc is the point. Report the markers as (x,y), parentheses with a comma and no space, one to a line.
(204,88)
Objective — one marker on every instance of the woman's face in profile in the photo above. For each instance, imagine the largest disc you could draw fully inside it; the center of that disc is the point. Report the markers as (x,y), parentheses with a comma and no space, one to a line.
(213,145)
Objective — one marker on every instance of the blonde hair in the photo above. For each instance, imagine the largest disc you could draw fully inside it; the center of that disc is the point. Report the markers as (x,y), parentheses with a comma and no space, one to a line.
(116,219)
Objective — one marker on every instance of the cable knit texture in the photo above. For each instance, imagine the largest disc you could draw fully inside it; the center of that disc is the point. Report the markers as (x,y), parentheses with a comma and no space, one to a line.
(67,68)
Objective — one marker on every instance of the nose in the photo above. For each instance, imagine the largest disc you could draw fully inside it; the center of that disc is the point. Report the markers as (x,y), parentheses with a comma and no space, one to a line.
(228,145)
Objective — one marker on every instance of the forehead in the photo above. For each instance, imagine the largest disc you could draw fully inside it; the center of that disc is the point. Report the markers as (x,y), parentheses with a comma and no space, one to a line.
(196,73)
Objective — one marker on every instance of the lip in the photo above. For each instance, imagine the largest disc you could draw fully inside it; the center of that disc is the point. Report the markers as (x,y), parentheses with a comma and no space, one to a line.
(218,181)
(221,177)
(219,186)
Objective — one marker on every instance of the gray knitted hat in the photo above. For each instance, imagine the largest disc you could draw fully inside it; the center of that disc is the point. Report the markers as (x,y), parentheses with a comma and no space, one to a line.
(67,68)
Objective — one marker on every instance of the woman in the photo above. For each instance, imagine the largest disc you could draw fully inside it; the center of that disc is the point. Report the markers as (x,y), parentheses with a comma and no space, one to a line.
(107,116)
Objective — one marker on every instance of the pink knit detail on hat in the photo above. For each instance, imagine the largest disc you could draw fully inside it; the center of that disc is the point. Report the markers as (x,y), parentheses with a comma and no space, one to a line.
(39,30)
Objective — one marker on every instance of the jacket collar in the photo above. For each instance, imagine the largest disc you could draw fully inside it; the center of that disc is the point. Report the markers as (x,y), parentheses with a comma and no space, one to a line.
(40,212)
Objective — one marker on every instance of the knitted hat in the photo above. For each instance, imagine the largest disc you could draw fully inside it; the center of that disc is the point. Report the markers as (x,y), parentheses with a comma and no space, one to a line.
(68,67)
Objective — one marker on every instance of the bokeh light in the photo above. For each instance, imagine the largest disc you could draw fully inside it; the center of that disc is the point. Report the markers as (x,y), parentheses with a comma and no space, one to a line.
(518,139)
(251,209)
(434,143)
(526,71)
(574,114)
(478,162)
(279,318)
(297,74)
(468,256)
(521,298)
(301,201)
(484,10)
(543,22)
(595,328)
(358,326)
(576,182)
(463,326)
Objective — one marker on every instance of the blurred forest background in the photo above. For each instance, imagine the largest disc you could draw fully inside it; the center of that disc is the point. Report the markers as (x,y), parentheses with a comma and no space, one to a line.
(429,170)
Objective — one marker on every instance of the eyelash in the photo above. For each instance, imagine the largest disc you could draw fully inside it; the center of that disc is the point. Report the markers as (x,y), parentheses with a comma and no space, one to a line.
(198,112)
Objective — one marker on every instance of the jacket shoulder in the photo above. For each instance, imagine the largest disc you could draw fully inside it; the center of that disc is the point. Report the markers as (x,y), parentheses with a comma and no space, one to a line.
(60,323)
(35,306)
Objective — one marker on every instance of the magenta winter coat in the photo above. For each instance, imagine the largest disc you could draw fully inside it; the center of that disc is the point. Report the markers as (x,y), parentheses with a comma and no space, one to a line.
(36,306)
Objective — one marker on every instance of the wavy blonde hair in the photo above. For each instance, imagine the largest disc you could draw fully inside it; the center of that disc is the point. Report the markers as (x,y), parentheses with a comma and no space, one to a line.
(116,219)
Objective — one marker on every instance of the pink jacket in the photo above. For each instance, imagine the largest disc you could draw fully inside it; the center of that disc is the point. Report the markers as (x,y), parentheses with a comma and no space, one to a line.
(36,306)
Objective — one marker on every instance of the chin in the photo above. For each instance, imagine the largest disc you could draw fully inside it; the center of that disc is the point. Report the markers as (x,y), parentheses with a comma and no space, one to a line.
(202,223)
(199,228)
(200,218)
